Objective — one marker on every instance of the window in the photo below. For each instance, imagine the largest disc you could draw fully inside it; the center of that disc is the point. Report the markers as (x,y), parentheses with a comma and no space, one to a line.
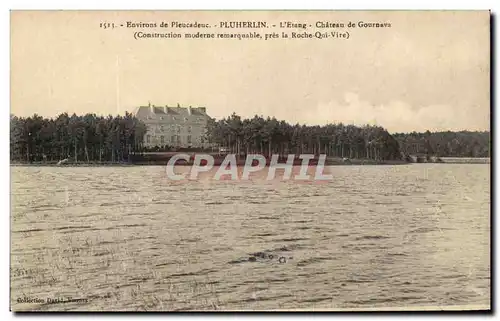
(162,139)
(190,128)
(161,128)
(189,139)
(172,139)
(178,140)
(161,117)
(148,139)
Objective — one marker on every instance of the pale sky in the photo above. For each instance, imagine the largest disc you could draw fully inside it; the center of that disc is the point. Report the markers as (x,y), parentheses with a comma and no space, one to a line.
(430,70)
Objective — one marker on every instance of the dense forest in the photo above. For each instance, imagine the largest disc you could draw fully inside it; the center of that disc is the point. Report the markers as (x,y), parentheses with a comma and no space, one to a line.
(271,136)
(445,144)
(88,138)
(92,138)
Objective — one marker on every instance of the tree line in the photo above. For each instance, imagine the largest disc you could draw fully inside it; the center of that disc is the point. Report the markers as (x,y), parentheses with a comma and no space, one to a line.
(93,138)
(88,138)
(271,136)
(445,144)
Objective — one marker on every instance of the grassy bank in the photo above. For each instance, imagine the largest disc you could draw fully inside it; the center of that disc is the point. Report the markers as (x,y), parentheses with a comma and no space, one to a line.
(330,161)
(465,160)
(78,164)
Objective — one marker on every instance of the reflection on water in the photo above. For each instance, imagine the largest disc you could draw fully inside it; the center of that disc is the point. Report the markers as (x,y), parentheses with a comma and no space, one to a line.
(127,238)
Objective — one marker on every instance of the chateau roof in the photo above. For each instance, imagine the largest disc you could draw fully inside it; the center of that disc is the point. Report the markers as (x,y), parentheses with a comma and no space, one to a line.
(145,111)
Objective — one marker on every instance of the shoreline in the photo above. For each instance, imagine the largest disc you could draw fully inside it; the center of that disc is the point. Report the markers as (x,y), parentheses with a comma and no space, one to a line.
(329,162)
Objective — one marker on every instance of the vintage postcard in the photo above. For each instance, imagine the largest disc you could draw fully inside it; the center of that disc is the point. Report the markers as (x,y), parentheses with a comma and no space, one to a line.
(250,161)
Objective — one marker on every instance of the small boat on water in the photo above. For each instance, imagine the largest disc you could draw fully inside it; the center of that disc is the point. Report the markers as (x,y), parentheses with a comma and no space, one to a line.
(63,161)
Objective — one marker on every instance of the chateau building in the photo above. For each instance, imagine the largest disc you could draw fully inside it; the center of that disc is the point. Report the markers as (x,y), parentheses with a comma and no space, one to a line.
(174,126)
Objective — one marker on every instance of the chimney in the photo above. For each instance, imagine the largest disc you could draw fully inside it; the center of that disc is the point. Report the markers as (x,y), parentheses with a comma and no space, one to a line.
(151,107)
(165,109)
(190,111)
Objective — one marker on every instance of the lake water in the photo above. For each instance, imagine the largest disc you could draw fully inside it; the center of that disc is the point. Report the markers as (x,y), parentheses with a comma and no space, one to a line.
(127,238)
